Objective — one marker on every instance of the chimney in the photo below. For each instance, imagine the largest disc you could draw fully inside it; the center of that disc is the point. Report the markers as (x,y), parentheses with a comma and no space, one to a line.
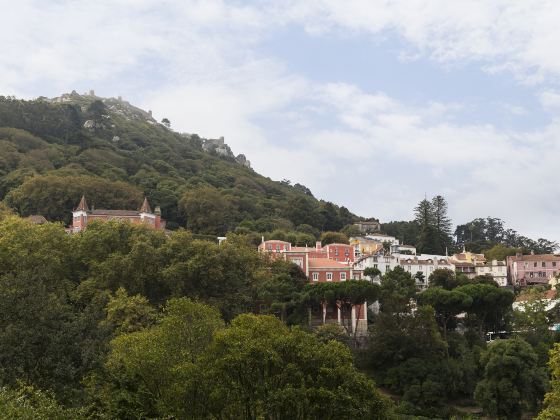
(157,212)
(318,245)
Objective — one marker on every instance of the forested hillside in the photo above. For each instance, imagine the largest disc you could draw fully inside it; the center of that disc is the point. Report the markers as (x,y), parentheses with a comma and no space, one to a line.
(53,151)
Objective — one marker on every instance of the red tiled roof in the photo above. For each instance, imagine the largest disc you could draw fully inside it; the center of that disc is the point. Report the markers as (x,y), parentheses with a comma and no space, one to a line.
(549,294)
(101,212)
(540,257)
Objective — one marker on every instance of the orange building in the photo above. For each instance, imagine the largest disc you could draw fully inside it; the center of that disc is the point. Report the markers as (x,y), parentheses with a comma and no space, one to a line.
(83,215)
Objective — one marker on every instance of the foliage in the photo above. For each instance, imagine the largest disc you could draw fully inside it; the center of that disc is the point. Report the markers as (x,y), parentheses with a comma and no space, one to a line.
(141,372)
(552,398)
(48,141)
(28,403)
(500,252)
(126,314)
(489,305)
(406,232)
(446,303)
(427,242)
(259,368)
(333,238)
(397,291)
(483,234)
(512,382)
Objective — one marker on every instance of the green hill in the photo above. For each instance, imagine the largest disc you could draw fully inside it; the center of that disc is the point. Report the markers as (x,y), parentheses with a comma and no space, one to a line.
(54,150)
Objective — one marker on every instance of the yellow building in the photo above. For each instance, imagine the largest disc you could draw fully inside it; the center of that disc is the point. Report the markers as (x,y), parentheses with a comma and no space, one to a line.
(365,246)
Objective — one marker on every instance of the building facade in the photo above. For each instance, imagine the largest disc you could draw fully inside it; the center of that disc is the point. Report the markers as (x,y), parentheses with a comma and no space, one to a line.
(83,215)
(426,265)
(525,270)
(496,269)
(329,263)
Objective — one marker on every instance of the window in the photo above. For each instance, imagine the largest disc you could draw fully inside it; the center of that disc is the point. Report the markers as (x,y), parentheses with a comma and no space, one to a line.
(531,274)
(277,248)
(270,247)
(554,263)
(336,252)
(342,276)
(347,252)
(329,276)
(535,264)
(543,264)
(387,268)
(409,268)
(374,265)
(315,276)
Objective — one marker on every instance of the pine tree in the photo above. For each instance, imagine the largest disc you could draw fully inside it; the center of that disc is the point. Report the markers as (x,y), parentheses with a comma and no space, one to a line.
(441,224)
(424,216)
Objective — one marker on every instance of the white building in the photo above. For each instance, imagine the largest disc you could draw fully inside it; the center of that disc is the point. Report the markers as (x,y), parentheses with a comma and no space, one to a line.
(380,237)
(425,264)
(383,263)
(497,269)
(403,249)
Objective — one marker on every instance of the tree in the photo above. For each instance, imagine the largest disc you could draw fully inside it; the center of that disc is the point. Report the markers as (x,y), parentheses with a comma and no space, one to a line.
(55,196)
(489,304)
(333,238)
(442,224)
(96,110)
(143,370)
(447,304)
(428,236)
(443,277)
(126,314)
(500,252)
(166,122)
(406,353)
(259,368)
(512,381)
(300,210)
(343,295)
(552,398)
(208,211)
(397,290)
(27,402)
(372,272)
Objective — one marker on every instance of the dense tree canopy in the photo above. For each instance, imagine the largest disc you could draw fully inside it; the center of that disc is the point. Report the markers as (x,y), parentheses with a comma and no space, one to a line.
(48,159)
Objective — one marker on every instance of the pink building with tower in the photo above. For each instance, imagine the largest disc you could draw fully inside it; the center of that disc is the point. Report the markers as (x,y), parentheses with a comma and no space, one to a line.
(83,215)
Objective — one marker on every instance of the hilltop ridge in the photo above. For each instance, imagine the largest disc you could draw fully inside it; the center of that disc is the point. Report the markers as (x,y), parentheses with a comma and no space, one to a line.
(54,150)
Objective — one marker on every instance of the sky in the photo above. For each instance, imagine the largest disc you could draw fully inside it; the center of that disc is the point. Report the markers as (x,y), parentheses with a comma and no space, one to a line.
(373,104)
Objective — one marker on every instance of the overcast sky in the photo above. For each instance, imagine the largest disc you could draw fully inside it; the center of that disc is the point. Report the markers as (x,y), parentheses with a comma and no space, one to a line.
(371,104)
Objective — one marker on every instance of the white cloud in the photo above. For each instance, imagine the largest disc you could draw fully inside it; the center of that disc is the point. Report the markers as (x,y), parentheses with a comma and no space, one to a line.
(198,64)
(520,37)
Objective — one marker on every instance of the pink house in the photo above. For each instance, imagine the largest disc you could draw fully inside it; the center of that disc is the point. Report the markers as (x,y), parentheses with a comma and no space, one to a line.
(524,270)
